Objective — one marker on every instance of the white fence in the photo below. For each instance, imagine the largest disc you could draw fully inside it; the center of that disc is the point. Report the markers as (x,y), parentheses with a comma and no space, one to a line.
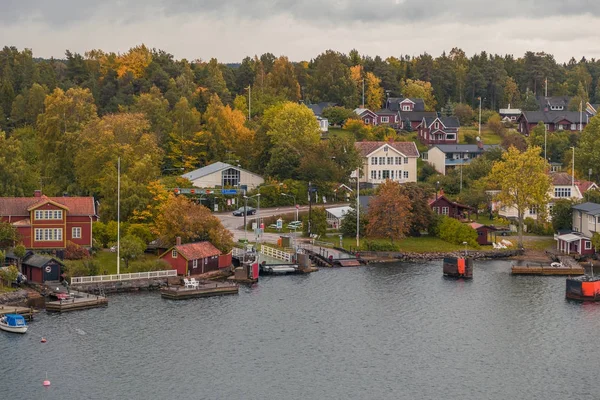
(123,277)
(275,253)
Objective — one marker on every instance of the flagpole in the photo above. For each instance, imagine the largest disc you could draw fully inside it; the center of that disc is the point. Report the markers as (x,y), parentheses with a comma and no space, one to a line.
(580,115)
(118,215)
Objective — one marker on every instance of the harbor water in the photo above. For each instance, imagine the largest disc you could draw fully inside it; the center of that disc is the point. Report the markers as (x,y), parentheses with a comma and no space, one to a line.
(395,331)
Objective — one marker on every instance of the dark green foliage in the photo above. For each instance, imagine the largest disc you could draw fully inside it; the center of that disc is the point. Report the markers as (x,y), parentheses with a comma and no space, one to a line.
(562,214)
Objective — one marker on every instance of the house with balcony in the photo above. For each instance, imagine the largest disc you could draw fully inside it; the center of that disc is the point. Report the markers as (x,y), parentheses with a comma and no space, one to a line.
(439,130)
(444,157)
(561,121)
(48,223)
(388,160)
(563,187)
(586,221)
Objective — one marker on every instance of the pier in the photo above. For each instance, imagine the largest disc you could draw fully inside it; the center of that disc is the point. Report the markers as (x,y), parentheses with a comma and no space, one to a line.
(76,301)
(203,289)
(567,266)
(27,312)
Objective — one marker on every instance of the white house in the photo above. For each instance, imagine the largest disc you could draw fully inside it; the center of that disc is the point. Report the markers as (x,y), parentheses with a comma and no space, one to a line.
(563,187)
(446,156)
(336,215)
(223,175)
(388,160)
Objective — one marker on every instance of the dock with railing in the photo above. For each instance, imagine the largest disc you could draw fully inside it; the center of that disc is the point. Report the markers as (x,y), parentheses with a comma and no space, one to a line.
(27,312)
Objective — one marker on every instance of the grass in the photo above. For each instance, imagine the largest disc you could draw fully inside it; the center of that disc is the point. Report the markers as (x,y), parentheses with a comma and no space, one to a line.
(487,135)
(108,262)
(423,244)
(7,289)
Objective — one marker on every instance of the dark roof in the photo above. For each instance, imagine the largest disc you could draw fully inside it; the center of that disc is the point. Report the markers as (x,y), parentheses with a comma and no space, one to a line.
(393,103)
(587,207)
(385,111)
(318,108)
(449,122)
(409,149)
(453,148)
(39,261)
(442,196)
(416,116)
(553,101)
(20,205)
(552,117)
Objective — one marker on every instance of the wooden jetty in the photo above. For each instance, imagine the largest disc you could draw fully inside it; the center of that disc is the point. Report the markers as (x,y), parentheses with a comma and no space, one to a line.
(204,289)
(566,266)
(27,312)
(76,301)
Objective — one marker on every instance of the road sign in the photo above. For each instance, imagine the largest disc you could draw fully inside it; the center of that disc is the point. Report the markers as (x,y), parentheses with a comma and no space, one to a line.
(279,223)
(297,205)
(228,191)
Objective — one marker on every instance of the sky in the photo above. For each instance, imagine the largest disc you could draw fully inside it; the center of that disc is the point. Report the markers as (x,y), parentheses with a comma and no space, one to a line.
(229,30)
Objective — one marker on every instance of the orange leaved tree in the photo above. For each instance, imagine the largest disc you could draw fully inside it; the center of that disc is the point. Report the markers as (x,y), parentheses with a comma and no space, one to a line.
(389,213)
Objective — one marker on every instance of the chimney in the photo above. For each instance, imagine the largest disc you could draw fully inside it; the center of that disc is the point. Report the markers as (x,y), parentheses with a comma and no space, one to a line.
(37,193)
(479,144)
(178,241)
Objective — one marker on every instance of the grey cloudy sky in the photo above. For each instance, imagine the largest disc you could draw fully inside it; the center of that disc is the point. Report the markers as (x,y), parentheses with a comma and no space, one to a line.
(301,29)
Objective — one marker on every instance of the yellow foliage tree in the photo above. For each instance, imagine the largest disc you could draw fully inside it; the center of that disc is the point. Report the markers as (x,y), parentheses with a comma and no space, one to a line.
(373,92)
(136,60)
(420,90)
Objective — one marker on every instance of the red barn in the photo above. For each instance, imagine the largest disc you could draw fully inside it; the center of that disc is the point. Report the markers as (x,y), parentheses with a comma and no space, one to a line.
(192,258)
(48,223)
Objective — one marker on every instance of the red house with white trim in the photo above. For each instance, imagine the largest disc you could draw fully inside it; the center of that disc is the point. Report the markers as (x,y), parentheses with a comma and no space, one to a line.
(48,223)
(195,258)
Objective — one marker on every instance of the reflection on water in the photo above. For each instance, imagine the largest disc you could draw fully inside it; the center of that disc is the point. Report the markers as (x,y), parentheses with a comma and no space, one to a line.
(390,332)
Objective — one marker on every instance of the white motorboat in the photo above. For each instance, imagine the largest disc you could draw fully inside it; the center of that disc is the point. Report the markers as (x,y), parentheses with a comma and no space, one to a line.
(13,323)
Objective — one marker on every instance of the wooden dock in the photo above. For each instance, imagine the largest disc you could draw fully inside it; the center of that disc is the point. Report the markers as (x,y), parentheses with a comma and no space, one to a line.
(547,270)
(27,312)
(77,301)
(205,289)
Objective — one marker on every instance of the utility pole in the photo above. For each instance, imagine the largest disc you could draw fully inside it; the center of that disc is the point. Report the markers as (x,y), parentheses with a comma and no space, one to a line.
(480,117)
(118,215)
(309,209)
(357,208)
(363,93)
(580,115)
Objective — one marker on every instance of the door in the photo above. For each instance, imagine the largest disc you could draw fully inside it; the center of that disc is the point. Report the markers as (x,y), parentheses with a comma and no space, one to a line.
(51,271)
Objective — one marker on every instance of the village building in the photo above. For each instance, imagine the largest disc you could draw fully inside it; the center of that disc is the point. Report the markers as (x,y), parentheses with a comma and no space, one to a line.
(195,258)
(396,161)
(439,130)
(317,109)
(586,221)
(220,174)
(484,233)
(49,223)
(336,215)
(510,115)
(37,268)
(444,157)
(554,121)
(442,205)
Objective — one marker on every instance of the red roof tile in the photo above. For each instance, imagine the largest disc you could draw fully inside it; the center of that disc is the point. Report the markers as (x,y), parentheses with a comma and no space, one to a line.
(198,250)
(409,149)
(19,205)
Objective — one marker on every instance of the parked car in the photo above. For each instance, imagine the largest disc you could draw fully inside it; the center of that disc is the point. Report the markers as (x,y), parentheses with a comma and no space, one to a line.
(248,210)
(295,225)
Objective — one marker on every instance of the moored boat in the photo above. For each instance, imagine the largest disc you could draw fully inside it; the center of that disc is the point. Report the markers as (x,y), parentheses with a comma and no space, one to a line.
(585,288)
(13,323)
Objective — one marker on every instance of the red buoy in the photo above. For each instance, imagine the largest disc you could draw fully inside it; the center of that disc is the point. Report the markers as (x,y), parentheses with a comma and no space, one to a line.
(43,340)
(46,382)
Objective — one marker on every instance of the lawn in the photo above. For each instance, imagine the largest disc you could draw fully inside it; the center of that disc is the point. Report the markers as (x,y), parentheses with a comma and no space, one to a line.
(108,262)
(421,244)
(487,136)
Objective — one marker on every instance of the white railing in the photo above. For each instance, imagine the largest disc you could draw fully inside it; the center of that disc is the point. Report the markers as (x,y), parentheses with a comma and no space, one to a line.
(123,277)
(275,253)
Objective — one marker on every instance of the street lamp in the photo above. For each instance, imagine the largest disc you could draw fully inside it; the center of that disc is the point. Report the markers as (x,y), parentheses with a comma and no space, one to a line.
(437,185)
(480,116)
(295,204)
(249,100)
(465,243)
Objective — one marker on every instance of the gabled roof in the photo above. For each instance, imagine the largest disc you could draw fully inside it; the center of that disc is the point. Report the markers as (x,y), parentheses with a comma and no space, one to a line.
(393,103)
(454,203)
(39,261)
(385,111)
(416,116)
(318,108)
(361,111)
(81,206)
(589,208)
(552,117)
(45,200)
(408,149)
(196,251)
(565,179)
(509,111)
(448,122)
(553,101)
(338,212)
(211,169)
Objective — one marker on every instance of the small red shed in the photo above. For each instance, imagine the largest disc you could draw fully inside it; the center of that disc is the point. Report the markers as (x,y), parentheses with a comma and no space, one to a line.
(192,258)
(483,233)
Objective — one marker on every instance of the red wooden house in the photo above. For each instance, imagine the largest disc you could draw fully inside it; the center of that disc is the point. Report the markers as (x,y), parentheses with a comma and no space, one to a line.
(439,130)
(48,223)
(444,206)
(195,258)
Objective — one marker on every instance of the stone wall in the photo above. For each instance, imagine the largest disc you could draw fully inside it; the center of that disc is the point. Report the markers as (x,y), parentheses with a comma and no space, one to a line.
(16,298)
(126,286)
(407,256)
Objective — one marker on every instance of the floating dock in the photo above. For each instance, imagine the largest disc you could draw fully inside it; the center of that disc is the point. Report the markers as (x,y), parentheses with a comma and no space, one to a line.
(204,289)
(76,301)
(27,312)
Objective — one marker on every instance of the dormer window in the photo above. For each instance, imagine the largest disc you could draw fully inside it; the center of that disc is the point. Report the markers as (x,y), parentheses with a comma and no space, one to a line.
(174,254)
(385,148)
(405,107)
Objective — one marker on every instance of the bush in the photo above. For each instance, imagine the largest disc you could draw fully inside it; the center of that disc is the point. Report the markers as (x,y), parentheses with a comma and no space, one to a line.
(537,227)
(141,231)
(453,231)
(87,267)
(75,252)
(149,265)
(381,246)
(470,138)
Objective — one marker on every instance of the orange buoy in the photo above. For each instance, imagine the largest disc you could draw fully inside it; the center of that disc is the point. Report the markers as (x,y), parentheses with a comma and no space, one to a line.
(43,340)
(46,382)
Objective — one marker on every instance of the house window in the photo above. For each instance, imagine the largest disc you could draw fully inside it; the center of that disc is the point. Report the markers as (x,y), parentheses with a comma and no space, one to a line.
(367,121)
(598,220)
(405,160)
(405,108)
(195,264)
(405,174)
(560,127)
(378,174)
(230,177)
(588,245)
(450,136)
(437,125)
(398,160)
(562,192)
(174,253)
(48,214)
(444,210)
(573,127)
(591,219)
(390,160)
(373,174)
(76,233)
(373,160)
(424,155)
(381,160)
(533,210)
(385,120)
(436,210)
(547,126)
(48,235)
(386,174)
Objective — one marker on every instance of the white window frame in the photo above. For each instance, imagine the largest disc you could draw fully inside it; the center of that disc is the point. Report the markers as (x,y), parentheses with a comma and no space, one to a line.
(573,127)
(405,175)
(405,107)
(195,263)
(76,232)
(445,211)
(562,192)
(174,253)
(379,174)
(385,120)
(373,174)
(381,160)
(437,125)
(367,121)
(48,235)
(398,160)
(385,172)
(405,160)
(373,160)
(587,245)
(450,136)
(390,161)
(48,214)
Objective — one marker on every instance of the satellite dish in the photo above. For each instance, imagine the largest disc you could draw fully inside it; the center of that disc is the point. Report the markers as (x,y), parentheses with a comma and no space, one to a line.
(478,139)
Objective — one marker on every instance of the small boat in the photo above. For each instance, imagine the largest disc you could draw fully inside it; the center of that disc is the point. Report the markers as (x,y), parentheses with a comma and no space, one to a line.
(13,323)
(584,288)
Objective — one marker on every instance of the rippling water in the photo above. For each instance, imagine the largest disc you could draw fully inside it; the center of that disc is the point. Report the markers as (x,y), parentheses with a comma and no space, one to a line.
(388,332)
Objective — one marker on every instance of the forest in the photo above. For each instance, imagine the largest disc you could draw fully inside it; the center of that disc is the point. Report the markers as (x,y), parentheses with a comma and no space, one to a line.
(64,122)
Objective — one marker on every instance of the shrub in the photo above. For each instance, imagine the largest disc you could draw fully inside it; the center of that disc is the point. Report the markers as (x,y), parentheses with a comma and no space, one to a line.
(453,231)
(141,231)
(149,265)
(75,252)
(381,246)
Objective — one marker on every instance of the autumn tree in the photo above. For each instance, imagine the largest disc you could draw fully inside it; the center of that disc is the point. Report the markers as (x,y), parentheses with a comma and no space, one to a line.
(522,182)
(179,217)
(156,110)
(389,213)
(420,90)
(421,214)
(131,247)
(282,79)
(464,113)
(136,60)
(373,92)
(557,142)
(17,177)
(337,116)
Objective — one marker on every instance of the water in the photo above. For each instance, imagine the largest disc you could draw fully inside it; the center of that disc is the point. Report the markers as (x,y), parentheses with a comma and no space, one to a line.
(388,332)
